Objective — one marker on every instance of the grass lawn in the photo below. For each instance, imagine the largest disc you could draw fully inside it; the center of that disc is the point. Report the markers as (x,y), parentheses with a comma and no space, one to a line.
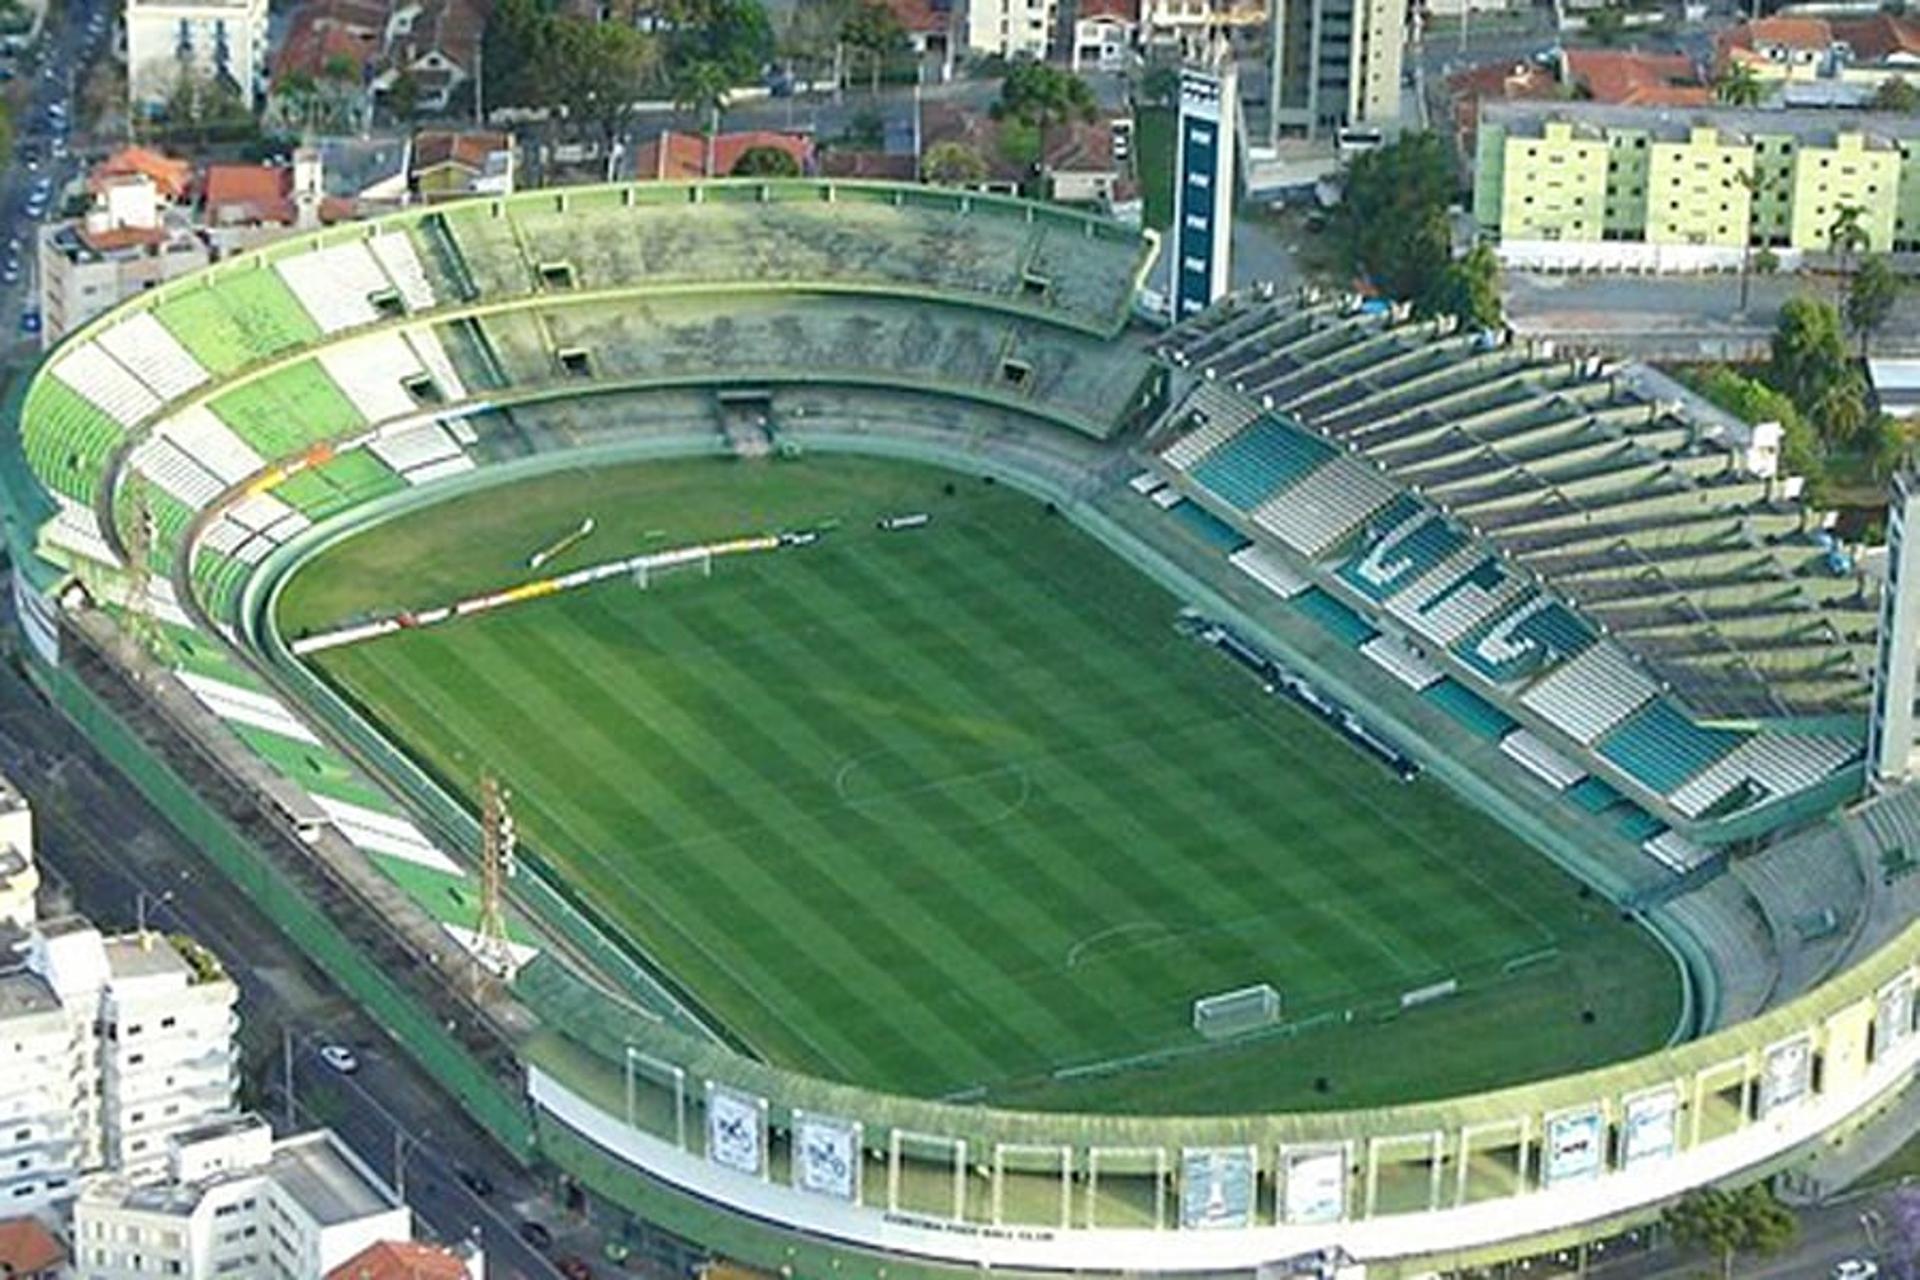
(954,809)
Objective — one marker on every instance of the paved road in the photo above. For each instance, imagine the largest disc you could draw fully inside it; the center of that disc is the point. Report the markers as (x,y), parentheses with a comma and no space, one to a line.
(1678,315)
(106,849)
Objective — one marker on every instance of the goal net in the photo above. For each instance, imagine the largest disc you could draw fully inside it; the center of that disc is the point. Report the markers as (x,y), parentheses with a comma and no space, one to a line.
(647,574)
(1233,1013)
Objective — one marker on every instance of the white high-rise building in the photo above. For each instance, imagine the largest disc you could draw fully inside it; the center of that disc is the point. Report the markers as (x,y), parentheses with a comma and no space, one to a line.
(221,41)
(1337,65)
(237,1205)
(108,1046)
(1201,241)
(1896,668)
(1011,28)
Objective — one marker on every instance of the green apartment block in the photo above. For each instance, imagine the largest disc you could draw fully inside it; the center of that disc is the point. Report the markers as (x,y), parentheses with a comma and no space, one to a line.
(1590,184)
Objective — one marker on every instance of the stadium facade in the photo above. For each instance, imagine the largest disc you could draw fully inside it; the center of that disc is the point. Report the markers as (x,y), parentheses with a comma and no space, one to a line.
(1604,620)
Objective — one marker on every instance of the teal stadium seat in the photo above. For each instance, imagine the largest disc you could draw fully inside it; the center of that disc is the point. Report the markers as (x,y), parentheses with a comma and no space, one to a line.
(1400,544)
(1479,716)
(1661,747)
(1335,617)
(1266,457)
(1545,634)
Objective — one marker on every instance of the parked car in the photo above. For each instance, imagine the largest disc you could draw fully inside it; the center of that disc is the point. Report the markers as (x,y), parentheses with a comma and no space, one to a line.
(340,1058)
(1856,1269)
(536,1234)
(474,1180)
(574,1267)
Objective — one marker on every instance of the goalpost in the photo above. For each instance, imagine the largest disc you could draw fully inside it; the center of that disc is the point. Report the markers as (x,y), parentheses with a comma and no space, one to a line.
(645,573)
(1233,1013)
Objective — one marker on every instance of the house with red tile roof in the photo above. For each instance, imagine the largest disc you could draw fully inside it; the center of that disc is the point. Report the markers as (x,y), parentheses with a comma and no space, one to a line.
(1777,48)
(172,178)
(1494,82)
(409,1260)
(1105,34)
(1632,78)
(28,1251)
(673,155)
(450,163)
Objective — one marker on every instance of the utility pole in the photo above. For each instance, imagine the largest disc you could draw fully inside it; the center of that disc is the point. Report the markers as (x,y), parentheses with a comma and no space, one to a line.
(286,1063)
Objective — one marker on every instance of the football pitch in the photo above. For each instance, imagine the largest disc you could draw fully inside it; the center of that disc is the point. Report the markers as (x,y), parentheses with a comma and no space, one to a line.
(958,811)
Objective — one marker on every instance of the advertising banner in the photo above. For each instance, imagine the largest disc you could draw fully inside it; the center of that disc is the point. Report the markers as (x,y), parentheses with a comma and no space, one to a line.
(1576,1147)
(1216,1187)
(736,1129)
(1315,1184)
(1893,1014)
(826,1156)
(1786,1074)
(1649,1132)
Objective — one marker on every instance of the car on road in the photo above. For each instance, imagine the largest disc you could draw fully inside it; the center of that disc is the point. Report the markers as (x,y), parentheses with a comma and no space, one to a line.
(11,273)
(340,1058)
(536,1234)
(474,1180)
(1856,1269)
(574,1267)
(29,322)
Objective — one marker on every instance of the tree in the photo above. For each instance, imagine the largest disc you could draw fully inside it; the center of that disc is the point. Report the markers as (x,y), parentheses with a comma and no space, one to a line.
(1886,446)
(1160,86)
(702,88)
(514,50)
(1726,1222)
(597,71)
(1469,289)
(1871,295)
(1037,94)
(1846,236)
(952,164)
(1390,226)
(765,162)
(1756,185)
(732,35)
(1607,24)
(1895,94)
(1809,352)
(1753,401)
(403,95)
(1738,86)
(1840,411)
(874,30)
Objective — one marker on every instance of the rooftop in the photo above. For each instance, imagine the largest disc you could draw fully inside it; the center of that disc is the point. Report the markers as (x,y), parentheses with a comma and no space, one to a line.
(172,177)
(402,1260)
(315,1170)
(1817,126)
(671,155)
(27,1248)
(1632,78)
(148,955)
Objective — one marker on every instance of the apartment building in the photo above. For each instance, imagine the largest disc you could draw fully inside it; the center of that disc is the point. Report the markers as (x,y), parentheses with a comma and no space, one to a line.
(1337,64)
(223,41)
(235,1204)
(1593,186)
(1010,28)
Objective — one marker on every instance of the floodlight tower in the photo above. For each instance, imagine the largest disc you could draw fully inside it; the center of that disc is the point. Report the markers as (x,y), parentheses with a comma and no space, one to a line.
(497,840)
(139,537)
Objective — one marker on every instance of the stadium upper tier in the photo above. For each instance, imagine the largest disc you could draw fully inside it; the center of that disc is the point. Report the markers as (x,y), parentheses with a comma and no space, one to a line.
(1633,584)
(367,334)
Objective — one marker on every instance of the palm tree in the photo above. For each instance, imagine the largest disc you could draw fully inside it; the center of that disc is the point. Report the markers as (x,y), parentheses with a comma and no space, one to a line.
(1846,236)
(1738,86)
(1756,185)
(702,87)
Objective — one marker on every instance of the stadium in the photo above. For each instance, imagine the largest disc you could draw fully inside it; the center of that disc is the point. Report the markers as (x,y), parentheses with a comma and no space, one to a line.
(811,717)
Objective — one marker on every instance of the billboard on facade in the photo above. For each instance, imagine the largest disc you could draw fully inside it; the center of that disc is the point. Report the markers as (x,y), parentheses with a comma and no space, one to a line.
(1786,1073)
(826,1155)
(736,1129)
(1314,1184)
(1648,1131)
(1576,1147)
(1216,1187)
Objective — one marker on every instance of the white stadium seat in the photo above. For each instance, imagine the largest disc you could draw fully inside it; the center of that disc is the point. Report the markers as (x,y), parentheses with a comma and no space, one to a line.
(371,371)
(153,355)
(396,256)
(1590,694)
(105,381)
(212,443)
(336,285)
(162,462)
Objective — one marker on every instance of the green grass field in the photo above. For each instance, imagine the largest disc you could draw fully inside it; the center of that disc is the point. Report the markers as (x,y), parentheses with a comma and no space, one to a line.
(952,810)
